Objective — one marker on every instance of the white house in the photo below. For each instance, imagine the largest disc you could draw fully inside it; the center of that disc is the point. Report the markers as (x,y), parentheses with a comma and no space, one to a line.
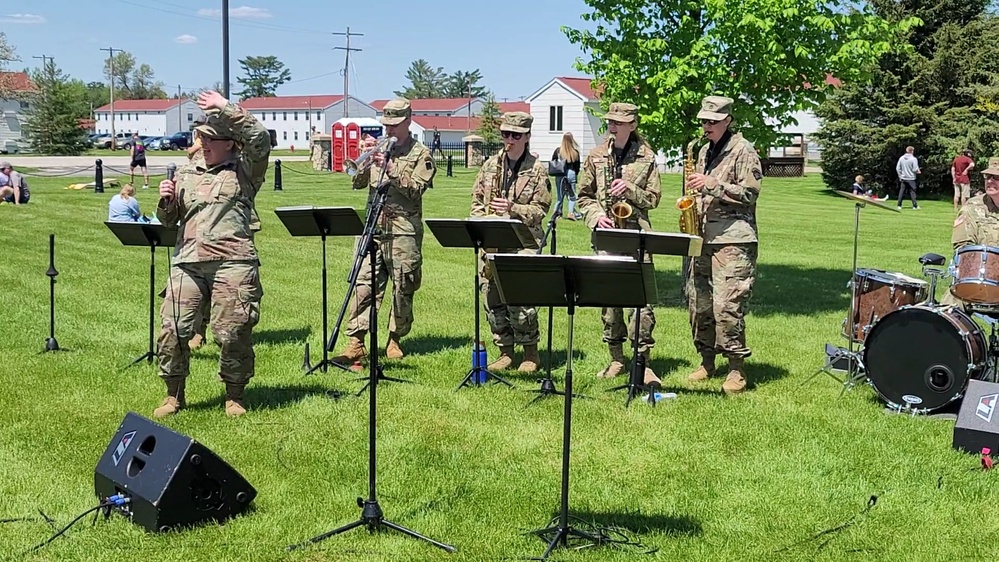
(12,112)
(293,117)
(148,117)
(560,106)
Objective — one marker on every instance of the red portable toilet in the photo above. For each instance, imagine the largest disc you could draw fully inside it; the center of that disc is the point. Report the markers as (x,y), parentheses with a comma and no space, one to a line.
(338,147)
(353,140)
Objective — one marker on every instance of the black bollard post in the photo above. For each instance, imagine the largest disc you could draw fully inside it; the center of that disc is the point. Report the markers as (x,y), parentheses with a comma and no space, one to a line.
(99,177)
(277,175)
(171,170)
(450,167)
(51,344)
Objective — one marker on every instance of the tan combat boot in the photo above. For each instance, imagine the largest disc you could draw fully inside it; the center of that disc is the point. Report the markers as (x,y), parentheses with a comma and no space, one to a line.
(650,376)
(235,400)
(705,370)
(503,361)
(392,349)
(616,366)
(174,400)
(736,380)
(531,359)
(355,352)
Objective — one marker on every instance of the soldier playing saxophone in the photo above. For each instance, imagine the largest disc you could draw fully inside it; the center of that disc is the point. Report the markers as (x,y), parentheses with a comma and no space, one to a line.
(600,188)
(728,175)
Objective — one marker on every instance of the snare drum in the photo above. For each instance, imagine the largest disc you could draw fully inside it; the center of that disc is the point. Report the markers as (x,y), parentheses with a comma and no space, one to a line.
(876,293)
(976,275)
(920,358)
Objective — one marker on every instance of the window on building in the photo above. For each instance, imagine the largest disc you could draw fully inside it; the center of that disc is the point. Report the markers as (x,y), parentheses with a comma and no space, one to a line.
(190,117)
(284,115)
(263,116)
(306,135)
(319,116)
(274,116)
(295,116)
(296,135)
(284,135)
(555,118)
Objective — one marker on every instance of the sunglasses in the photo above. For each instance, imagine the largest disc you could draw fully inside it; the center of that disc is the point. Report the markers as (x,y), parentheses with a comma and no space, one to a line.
(709,122)
(511,134)
(992,177)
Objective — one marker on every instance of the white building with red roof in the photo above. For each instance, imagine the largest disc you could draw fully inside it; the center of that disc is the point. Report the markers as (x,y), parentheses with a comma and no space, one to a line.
(560,106)
(13,111)
(154,118)
(293,117)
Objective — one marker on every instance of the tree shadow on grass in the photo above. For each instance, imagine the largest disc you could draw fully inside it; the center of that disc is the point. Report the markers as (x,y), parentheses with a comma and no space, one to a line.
(280,336)
(638,522)
(778,289)
(261,397)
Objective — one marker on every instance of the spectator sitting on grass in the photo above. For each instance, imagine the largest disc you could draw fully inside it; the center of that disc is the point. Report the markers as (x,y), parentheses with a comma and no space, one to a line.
(124,207)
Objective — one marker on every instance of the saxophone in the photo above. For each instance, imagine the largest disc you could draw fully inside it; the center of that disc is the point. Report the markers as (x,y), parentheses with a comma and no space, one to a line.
(618,207)
(495,191)
(690,222)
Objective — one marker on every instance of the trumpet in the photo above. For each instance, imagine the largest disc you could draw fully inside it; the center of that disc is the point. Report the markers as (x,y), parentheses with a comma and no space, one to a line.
(619,209)
(354,167)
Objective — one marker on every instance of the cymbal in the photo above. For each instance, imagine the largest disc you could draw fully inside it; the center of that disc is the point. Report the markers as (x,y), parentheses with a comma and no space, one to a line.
(866,200)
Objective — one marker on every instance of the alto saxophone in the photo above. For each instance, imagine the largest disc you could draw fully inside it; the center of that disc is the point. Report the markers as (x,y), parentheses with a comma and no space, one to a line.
(495,191)
(690,221)
(618,207)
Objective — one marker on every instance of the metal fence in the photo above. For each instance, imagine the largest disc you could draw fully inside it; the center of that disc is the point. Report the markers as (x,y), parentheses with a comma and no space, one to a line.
(462,154)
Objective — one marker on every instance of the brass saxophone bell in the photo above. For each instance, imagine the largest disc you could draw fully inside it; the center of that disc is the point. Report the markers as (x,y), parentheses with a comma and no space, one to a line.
(622,211)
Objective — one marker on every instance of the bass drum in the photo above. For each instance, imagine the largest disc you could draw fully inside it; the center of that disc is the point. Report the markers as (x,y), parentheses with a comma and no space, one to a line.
(920,358)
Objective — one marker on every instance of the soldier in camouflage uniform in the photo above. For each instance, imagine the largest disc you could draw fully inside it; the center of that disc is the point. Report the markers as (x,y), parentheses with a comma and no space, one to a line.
(727,176)
(512,184)
(399,255)
(215,257)
(623,168)
(978,221)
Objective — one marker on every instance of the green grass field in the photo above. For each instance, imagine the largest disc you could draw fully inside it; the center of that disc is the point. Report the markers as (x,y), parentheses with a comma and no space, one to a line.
(701,477)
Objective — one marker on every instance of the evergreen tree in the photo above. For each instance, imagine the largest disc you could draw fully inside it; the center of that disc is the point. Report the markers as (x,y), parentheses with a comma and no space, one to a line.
(52,125)
(941,98)
(489,121)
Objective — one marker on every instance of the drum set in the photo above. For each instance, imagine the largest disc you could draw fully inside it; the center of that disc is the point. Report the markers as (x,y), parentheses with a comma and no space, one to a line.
(919,354)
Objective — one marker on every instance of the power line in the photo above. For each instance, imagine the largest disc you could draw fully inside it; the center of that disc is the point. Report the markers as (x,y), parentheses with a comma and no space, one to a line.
(346,67)
(255,25)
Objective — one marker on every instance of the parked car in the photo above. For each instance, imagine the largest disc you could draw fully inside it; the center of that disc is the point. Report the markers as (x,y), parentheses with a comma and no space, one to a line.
(154,143)
(182,139)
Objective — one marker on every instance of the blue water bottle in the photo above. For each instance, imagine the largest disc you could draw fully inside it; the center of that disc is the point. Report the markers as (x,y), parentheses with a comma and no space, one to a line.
(479,363)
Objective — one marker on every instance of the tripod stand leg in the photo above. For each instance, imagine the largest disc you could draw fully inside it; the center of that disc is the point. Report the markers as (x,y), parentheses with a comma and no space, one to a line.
(416,535)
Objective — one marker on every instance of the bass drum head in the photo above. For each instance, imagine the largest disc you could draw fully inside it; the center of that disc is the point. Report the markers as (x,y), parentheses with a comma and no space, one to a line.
(917,359)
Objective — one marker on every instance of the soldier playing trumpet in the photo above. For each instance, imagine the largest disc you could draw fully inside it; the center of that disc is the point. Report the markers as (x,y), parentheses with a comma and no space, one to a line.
(513,184)
(616,176)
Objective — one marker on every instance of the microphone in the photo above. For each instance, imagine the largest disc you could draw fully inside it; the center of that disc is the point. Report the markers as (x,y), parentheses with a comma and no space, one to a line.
(391,142)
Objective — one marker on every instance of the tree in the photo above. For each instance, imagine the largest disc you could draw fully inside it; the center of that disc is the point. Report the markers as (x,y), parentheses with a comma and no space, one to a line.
(7,55)
(132,82)
(773,56)
(52,125)
(263,76)
(424,81)
(489,120)
(940,97)
(462,84)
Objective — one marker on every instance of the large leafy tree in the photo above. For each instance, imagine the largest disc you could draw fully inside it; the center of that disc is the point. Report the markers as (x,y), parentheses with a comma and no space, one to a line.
(463,84)
(132,81)
(262,76)
(52,122)
(940,96)
(489,120)
(425,81)
(773,56)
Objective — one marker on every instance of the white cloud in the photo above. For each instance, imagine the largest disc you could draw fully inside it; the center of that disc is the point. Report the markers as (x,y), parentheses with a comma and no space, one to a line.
(242,12)
(186,39)
(22,18)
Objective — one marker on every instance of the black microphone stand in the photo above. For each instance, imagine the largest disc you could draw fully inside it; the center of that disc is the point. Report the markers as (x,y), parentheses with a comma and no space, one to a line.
(50,343)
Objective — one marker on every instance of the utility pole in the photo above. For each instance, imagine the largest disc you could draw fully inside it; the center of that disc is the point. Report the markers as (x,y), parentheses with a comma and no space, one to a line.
(180,110)
(346,67)
(225,49)
(111,51)
(44,58)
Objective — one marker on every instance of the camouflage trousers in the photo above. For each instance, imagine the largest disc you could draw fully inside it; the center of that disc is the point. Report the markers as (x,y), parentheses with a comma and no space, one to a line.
(617,330)
(510,325)
(235,292)
(718,293)
(398,257)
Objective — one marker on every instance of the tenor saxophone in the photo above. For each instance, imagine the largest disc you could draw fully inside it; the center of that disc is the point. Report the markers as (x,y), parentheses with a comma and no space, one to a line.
(690,221)
(618,208)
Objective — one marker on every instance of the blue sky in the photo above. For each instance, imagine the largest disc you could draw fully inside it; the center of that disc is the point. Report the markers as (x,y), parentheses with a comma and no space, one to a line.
(516,44)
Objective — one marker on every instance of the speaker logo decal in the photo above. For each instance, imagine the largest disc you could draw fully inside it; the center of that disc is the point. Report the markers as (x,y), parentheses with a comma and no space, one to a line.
(119,451)
(986,407)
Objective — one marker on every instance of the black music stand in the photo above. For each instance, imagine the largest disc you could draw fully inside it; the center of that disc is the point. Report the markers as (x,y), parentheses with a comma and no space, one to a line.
(570,282)
(321,221)
(639,243)
(152,235)
(479,233)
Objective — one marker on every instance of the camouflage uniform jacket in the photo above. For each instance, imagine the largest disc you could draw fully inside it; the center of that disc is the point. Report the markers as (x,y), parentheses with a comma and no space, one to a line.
(213,207)
(198,161)
(412,172)
(977,223)
(638,170)
(728,211)
(530,195)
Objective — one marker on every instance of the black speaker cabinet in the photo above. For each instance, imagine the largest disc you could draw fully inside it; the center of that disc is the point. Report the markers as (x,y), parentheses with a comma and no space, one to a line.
(172,480)
(977,425)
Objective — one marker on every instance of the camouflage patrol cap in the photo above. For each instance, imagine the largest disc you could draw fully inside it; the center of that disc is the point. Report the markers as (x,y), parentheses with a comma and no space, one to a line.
(396,111)
(993,168)
(622,112)
(517,122)
(214,129)
(715,108)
